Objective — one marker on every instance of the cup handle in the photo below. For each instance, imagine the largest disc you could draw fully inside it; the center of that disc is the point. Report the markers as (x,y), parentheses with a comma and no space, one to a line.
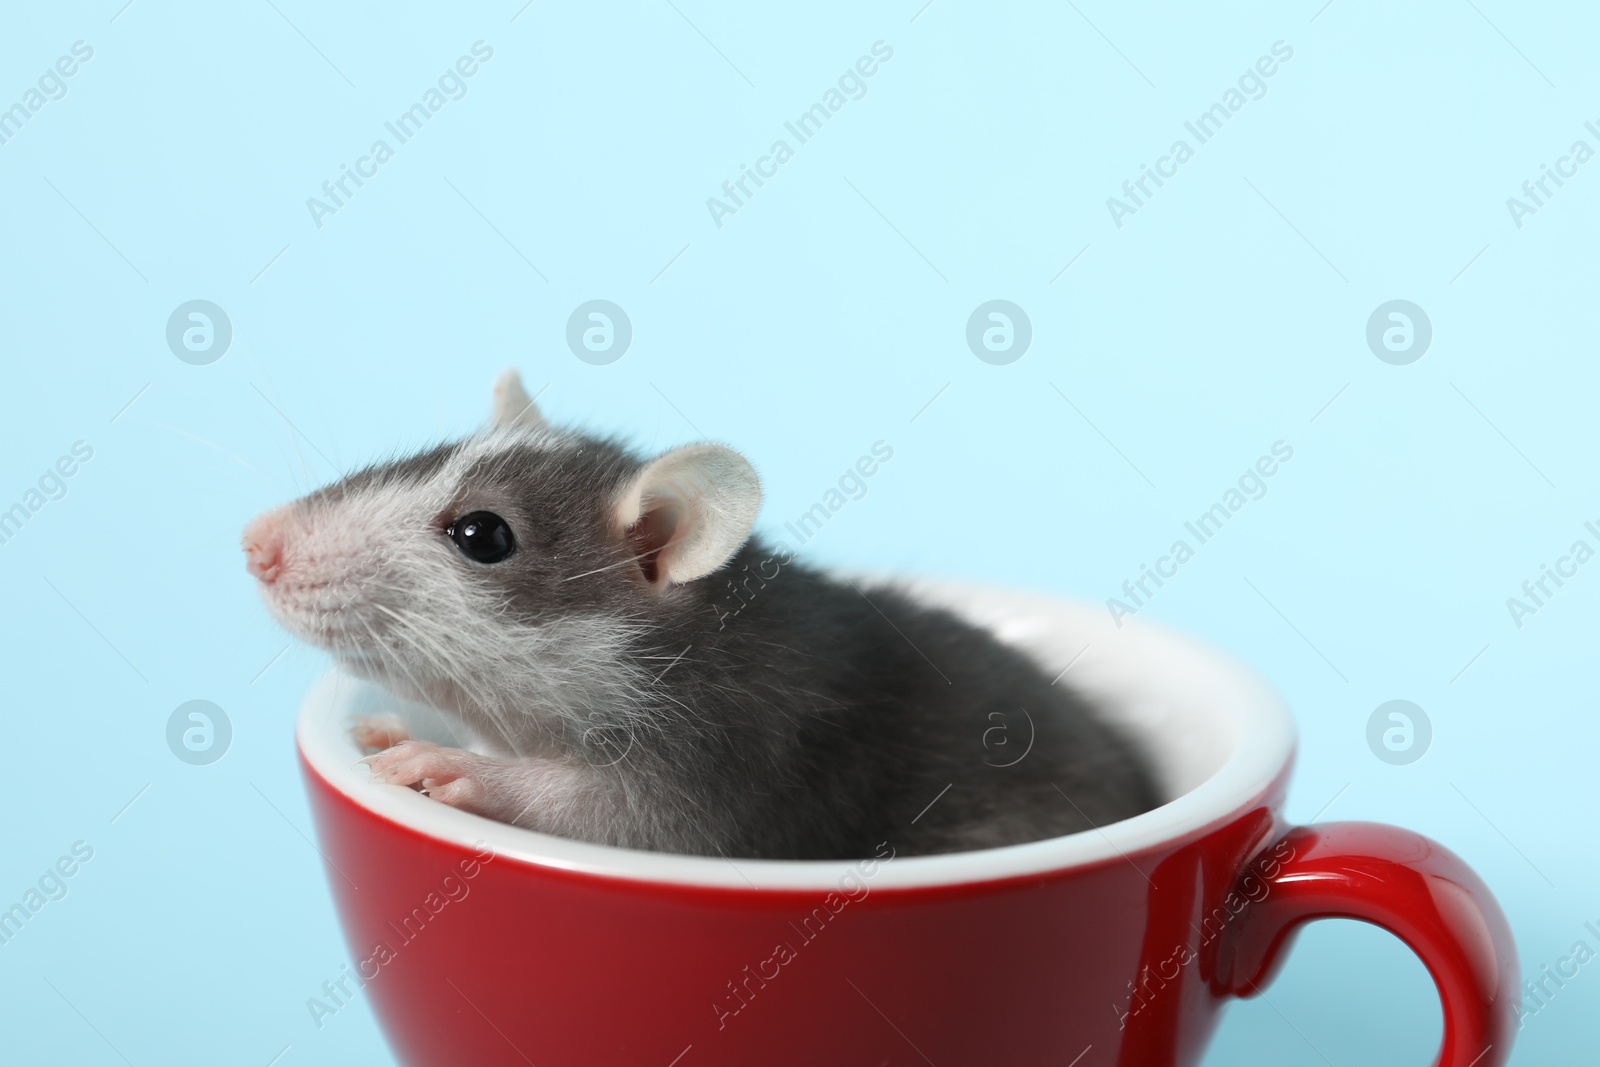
(1412,887)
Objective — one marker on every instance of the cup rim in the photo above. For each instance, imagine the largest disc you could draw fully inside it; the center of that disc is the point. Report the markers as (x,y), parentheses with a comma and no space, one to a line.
(1206,688)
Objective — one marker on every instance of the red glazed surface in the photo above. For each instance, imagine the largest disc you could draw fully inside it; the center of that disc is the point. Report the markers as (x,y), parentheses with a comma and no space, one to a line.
(1124,959)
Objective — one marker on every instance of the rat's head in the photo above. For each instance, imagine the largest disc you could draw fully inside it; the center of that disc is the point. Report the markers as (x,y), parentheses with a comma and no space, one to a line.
(522,567)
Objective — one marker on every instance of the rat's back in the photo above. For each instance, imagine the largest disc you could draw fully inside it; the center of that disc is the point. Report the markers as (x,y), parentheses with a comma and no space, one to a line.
(865,716)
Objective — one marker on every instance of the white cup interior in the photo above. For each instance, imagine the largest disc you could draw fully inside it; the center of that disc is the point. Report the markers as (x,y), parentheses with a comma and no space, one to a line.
(1215,733)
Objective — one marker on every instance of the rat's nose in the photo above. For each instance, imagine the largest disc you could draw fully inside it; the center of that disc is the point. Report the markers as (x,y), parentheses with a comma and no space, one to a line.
(263,548)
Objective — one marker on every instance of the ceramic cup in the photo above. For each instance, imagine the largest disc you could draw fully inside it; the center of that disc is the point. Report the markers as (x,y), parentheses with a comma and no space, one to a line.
(480,943)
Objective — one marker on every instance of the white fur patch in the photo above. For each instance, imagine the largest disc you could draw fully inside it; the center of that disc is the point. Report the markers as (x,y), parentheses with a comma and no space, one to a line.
(370,576)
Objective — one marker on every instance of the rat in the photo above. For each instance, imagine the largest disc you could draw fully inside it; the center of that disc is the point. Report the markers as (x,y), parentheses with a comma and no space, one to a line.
(564,602)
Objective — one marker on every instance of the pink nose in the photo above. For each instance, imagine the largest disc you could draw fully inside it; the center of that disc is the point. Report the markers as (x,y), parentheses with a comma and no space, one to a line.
(263,548)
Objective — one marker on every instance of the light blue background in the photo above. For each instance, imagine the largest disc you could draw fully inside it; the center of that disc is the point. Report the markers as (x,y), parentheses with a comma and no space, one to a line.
(825,315)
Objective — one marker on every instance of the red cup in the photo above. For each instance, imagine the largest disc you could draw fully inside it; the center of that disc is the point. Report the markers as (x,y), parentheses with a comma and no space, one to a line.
(480,943)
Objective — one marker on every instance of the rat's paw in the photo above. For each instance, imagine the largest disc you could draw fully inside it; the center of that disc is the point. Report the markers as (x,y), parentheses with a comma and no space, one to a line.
(377,732)
(448,775)
(416,763)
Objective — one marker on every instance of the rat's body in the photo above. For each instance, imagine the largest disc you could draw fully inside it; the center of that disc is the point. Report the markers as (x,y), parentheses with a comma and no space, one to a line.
(614,695)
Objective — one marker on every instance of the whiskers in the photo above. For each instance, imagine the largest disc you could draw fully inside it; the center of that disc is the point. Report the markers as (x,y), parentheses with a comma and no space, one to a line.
(607,567)
(576,688)
(419,635)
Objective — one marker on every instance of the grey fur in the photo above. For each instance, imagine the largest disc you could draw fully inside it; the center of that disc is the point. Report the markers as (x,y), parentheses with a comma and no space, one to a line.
(818,721)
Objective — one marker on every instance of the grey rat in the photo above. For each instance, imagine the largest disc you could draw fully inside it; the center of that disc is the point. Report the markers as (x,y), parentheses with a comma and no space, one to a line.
(568,604)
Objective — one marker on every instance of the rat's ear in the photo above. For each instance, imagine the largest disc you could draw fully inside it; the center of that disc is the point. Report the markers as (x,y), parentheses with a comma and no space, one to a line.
(512,406)
(686,513)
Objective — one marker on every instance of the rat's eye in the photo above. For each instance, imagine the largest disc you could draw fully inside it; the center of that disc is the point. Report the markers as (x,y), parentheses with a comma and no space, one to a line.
(482,536)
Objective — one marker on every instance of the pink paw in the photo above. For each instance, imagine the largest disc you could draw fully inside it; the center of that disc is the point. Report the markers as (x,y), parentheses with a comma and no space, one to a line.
(448,775)
(377,732)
